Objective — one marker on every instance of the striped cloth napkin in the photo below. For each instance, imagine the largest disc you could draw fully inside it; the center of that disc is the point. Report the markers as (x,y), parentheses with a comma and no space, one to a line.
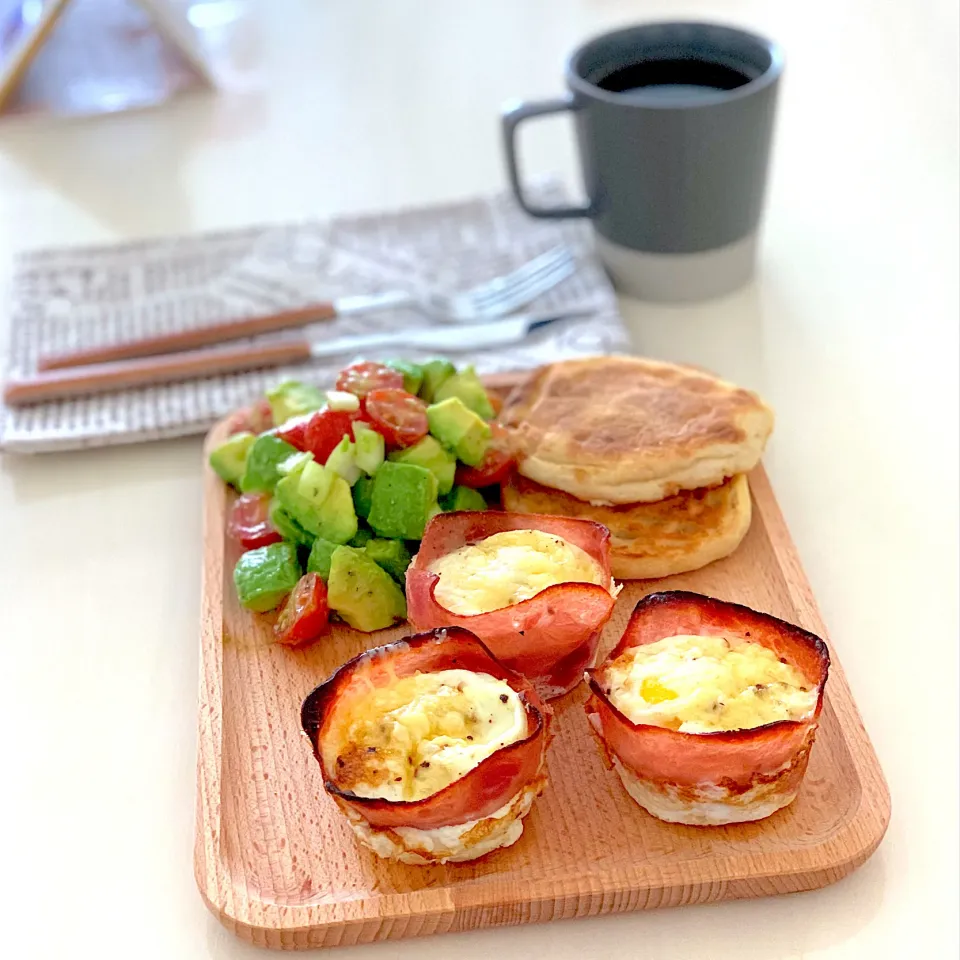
(82,297)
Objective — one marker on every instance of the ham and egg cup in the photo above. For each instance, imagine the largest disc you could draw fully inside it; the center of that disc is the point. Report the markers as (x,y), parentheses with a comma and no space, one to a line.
(535,589)
(432,749)
(707,709)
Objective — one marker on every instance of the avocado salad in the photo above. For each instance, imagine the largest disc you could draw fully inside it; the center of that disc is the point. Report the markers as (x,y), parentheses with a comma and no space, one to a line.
(336,487)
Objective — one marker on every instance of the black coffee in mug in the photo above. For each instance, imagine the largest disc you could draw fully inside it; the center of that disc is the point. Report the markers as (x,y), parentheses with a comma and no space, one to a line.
(674,123)
(673,78)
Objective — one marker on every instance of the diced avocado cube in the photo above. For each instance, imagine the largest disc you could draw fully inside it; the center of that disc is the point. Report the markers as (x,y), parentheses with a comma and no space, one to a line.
(404,499)
(435,372)
(229,460)
(315,482)
(302,494)
(294,463)
(363,593)
(342,460)
(286,526)
(430,454)
(262,469)
(362,537)
(467,386)
(338,519)
(466,433)
(319,560)
(463,498)
(263,577)
(392,555)
(412,374)
(369,448)
(363,496)
(320,501)
(293,399)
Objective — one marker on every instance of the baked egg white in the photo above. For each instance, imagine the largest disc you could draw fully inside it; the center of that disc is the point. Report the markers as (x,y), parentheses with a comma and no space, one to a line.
(510,567)
(700,684)
(412,738)
(452,844)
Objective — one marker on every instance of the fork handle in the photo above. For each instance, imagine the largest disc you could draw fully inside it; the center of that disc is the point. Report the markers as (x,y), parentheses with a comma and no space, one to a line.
(204,336)
(104,377)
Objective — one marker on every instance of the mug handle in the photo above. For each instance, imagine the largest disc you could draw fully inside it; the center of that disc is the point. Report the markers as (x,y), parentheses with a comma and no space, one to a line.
(511,118)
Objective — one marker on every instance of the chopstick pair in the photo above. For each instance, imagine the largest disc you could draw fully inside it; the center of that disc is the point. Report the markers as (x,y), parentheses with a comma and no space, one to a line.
(473,318)
(68,381)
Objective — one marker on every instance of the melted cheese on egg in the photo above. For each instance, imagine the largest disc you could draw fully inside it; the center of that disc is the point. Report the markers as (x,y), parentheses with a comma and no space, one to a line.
(508,568)
(414,737)
(702,684)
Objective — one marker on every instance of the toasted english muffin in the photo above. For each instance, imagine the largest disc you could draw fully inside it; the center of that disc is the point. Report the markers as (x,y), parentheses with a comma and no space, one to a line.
(648,540)
(625,430)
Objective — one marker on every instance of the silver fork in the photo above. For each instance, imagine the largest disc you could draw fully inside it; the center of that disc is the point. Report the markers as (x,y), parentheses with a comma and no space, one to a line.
(503,295)
(486,301)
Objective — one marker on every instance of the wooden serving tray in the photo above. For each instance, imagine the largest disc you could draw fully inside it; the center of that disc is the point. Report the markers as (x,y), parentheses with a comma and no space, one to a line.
(277,863)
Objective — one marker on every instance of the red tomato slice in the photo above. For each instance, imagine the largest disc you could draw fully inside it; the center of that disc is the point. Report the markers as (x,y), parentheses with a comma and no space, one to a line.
(318,433)
(306,614)
(326,429)
(363,378)
(399,416)
(249,521)
(495,466)
(294,431)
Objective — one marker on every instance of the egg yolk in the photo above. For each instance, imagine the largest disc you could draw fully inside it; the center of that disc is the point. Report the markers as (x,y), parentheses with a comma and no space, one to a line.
(701,684)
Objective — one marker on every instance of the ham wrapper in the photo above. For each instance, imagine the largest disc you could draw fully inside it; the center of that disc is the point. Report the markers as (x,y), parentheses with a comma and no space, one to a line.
(550,638)
(715,777)
(480,792)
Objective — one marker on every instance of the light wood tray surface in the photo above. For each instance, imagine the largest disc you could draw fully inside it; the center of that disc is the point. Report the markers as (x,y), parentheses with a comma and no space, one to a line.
(277,863)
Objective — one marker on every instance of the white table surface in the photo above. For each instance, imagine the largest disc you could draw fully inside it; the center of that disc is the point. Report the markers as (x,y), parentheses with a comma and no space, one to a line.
(851,332)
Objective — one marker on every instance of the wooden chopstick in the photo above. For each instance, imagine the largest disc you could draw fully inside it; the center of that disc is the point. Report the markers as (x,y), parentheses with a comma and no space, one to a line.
(104,377)
(99,378)
(190,339)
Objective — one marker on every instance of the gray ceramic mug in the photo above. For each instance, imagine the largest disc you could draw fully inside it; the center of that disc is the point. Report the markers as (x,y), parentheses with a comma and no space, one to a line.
(674,122)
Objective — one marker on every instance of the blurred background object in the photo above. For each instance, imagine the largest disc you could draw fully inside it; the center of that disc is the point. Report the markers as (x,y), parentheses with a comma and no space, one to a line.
(102,56)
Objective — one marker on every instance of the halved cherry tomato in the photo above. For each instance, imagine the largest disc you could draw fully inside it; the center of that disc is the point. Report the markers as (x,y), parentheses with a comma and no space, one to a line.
(306,614)
(253,419)
(249,521)
(399,416)
(318,433)
(239,422)
(363,378)
(496,464)
(260,416)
